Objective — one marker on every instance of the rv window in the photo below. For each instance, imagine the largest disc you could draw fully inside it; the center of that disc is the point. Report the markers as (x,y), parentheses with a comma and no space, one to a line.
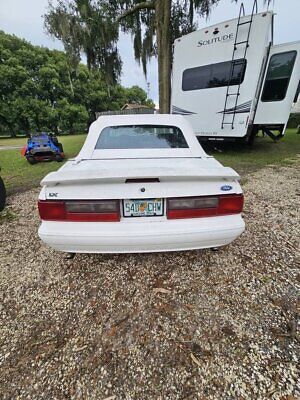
(214,75)
(278,76)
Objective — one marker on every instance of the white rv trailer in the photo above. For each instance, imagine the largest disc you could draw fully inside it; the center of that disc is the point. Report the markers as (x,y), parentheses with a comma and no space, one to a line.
(230,81)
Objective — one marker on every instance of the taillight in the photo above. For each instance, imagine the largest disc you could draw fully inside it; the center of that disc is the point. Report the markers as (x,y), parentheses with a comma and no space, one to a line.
(52,210)
(206,206)
(231,204)
(84,211)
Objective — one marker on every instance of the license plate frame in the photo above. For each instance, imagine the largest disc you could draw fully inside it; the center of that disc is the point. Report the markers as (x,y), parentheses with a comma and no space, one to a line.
(138,201)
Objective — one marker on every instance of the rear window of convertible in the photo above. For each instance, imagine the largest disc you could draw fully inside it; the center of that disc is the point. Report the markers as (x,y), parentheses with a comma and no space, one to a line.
(141,137)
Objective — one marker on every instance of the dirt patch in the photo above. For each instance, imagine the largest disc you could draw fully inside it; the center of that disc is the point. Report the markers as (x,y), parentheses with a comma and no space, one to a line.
(184,325)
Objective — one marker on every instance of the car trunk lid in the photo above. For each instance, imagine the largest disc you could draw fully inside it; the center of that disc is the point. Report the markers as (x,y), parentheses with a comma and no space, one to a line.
(120,170)
(136,178)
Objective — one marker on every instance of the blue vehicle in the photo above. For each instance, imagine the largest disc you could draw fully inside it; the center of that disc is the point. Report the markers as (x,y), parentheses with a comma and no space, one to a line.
(43,147)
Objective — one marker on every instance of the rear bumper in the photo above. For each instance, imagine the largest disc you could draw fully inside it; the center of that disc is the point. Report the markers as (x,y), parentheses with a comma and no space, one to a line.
(141,237)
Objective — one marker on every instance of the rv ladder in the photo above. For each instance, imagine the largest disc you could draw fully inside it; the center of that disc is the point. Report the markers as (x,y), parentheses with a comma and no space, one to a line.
(235,62)
(245,41)
(244,23)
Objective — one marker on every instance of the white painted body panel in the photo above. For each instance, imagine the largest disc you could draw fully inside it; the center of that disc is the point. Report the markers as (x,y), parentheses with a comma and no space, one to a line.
(204,108)
(113,171)
(89,178)
(137,236)
(277,112)
(207,105)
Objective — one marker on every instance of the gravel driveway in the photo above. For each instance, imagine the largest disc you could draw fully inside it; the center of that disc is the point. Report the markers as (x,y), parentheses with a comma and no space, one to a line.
(185,325)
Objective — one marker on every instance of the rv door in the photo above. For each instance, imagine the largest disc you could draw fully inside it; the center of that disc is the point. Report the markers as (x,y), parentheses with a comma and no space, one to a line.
(280,85)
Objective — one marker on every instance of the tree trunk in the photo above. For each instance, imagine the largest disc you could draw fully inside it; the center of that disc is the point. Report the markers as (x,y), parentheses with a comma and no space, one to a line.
(12,132)
(9,125)
(37,124)
(55,129)
(163,37)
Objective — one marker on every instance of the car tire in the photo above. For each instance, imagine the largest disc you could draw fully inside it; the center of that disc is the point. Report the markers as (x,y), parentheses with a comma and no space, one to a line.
(58,158)
(2,194)
(31,160)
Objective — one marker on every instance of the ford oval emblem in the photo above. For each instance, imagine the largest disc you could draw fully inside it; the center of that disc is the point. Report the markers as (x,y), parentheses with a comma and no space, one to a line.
(225,188)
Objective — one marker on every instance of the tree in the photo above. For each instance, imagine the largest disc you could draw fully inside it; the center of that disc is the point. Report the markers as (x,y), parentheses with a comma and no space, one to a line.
(38,90)
(137,95)
(87,26)
(90,26)
(72,116)
(155,25)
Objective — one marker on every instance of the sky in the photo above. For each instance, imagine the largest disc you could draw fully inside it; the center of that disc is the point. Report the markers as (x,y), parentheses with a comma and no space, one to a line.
(24,19)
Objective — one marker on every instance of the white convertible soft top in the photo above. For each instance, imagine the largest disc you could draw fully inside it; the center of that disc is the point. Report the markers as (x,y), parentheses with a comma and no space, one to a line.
(89,152)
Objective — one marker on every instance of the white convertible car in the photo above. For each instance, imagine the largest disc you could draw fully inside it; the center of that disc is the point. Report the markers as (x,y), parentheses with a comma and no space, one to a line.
(141,183)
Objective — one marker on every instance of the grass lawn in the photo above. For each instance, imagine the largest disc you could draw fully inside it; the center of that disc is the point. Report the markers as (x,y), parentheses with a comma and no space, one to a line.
(19,175)
(264,152)
(12,141)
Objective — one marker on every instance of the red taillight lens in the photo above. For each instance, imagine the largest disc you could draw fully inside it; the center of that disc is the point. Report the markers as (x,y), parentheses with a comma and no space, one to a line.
(84,211)
(52,210)
(206,206)
(231,204)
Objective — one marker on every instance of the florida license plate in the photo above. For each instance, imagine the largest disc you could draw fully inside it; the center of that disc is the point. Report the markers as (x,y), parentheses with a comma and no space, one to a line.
(143,207)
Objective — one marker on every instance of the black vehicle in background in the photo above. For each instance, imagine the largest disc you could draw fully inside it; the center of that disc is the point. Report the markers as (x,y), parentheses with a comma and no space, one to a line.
(2,194)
